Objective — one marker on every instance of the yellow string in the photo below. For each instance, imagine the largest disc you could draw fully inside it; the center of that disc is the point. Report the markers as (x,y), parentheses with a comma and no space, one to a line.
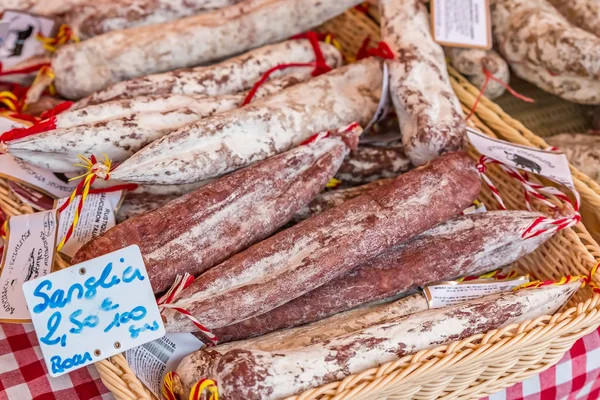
(48,71)
(63,35)
(88,176)
(167,385)
(333,183)
(201,386)
(562,281)
(9,99)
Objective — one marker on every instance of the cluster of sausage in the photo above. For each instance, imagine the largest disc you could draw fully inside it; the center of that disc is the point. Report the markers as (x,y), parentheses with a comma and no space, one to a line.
(232,178)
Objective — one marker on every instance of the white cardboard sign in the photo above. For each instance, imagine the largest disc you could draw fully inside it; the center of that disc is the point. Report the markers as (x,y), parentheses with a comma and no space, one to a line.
(462,23)
(28,254)
(93,310)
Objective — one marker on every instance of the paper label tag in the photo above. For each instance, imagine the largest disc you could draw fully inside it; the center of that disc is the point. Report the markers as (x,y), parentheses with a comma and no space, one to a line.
(96,217)
(553,165)
(446,294)
(6,124)
(38,178)
(151,361)
(462,23)
(28,254)
(21,43)
(384,102)
(93,310)
(475,209)
(4,28)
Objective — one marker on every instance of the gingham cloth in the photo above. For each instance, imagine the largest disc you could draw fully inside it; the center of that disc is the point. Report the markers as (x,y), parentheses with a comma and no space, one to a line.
(23,374)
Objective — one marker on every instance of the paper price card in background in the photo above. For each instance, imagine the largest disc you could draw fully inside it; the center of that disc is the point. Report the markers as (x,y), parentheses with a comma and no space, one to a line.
(28,254)
(445,294)
(20,42)
(462,23)
(93,310)
(551,164)
(96,217)
(151,361)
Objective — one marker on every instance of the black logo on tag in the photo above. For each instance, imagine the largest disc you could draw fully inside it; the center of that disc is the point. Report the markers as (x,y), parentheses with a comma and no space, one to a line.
(33,267)
(21,38)
(524,163)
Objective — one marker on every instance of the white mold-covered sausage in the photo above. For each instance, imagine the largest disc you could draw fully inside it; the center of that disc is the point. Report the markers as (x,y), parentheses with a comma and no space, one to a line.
(543,48)
(94,64)
(250,374)
(471,63)
(219,144)
(429,113)
(230,76)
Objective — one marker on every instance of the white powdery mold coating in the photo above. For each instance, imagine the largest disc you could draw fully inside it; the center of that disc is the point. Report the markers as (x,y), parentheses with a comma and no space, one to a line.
(584,14)
(120,137)
(201,104)
(95,18)
(233,75)
(429,113)
(199,230)
(94,64)
(137,204)
(543,48)
(222,143)
(578,89)
(305,256)
(259,375)
(306,335)
(470,62)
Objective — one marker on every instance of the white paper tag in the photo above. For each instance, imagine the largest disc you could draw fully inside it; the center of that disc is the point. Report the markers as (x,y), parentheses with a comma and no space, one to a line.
(28,254)
(151,361)
(553,165)
(475,209)
(7,124)
(446,294)
(21,42)
(40,179)
(4,29)
(384,102)
(96,217)
(93,310)
(462,23)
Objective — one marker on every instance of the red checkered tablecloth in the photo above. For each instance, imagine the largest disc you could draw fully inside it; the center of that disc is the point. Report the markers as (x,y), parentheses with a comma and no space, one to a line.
(23,374)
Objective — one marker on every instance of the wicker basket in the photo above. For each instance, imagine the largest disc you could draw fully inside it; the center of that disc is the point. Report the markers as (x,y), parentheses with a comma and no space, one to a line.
(481,364)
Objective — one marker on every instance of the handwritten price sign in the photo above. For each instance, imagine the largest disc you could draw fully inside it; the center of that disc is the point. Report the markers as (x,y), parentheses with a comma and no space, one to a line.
(93,310)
